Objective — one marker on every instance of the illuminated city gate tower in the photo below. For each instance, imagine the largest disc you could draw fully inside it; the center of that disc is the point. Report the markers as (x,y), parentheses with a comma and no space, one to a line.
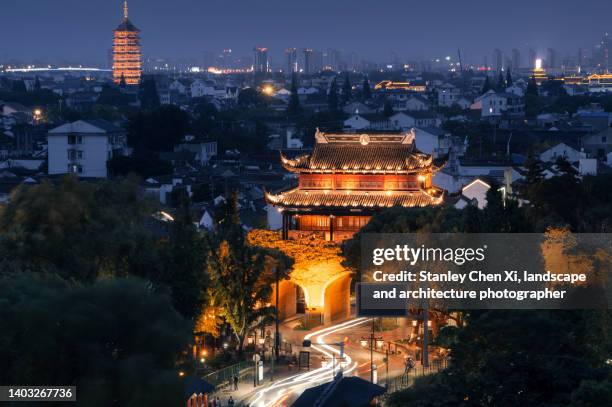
(126,51)
(341,184)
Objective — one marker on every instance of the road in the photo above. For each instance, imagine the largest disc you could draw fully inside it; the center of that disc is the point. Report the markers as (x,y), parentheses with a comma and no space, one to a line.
(289,388)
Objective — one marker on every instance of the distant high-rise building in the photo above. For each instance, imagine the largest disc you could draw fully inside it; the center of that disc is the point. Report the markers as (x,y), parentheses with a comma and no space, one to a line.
(127,64)
(516,59)
(497,60)
(551,58)
(292,63)
(604,52)
(208,59)
(317,61)
(225,59)
(307,61)
(260,60)
(582,57)
(532,58)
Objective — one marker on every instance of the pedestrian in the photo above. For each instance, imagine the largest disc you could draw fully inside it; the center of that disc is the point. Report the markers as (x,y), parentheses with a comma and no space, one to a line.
(217,402)
(235,382)
(409,364)
(230,402)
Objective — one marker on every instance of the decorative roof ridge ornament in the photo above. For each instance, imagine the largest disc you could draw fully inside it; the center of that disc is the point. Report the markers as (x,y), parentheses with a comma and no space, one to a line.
(409,136)
(320,137)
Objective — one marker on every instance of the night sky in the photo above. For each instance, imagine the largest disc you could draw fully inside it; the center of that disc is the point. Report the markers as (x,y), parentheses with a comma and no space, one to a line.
(81,30)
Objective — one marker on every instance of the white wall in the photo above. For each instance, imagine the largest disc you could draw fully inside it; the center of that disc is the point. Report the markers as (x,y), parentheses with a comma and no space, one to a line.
(560,150)
(95,150)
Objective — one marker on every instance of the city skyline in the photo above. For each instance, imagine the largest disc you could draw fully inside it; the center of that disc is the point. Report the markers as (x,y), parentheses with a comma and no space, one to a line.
(193,28)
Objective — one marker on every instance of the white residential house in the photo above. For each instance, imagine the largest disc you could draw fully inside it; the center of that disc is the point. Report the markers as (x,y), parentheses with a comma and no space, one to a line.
(598,144)
(201,88)
(274,216)
(84,147)
(494,103)
(406,120)
(204,150)
(180,86)
(587,166)
(308,91)
(516,89)
(448,95)
(370,121)
(409,103)
(206,221)
(560,150)
(432,140)
(474,192)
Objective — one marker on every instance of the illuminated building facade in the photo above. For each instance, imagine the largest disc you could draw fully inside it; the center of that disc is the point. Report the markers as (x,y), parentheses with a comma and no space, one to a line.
(539,73)
(387,85)
(261,63)
(126,51)
(348,177)
(292,63)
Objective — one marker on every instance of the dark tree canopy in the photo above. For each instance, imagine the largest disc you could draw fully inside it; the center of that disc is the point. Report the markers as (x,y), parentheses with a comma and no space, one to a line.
(332,97)
(158,130)
(115,340)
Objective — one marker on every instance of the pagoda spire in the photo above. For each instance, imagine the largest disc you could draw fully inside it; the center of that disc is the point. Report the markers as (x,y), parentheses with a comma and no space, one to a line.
(125,9)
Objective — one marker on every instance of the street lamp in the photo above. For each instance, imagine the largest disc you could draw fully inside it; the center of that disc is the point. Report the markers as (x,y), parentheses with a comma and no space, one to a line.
(371,340)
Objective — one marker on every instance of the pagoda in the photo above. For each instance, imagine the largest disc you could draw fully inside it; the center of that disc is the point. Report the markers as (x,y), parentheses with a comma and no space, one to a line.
(126,51)
(349,177)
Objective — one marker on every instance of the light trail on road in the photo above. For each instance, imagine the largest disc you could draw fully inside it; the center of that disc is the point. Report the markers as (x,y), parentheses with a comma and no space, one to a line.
(271,395)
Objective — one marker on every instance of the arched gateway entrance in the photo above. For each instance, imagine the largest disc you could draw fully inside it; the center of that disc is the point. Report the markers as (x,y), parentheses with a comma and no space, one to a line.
(318,283)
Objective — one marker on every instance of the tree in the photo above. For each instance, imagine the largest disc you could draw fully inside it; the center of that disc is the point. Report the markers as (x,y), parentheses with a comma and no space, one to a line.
(149,98)
(566,167)
(143,164)
(116,340)
(508,78)
(242,276)
(78,230)
(347,89)
(388,108)
(249,98)
(501,82)
(486,86)
(158,130)
(500,216)
(332,96)
(534,175)
(366,92)
(512,358)
(112,96)
(532,99)
(184,264)
(592,393)
(293,107)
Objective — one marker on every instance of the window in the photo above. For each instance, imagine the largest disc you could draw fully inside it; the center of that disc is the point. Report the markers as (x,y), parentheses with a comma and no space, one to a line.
(75,154)
(75,139)
(604,139)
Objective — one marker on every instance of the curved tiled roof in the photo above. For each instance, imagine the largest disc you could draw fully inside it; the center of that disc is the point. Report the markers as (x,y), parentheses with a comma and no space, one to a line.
(126,25)
(374,158)
(362,153)
(300,198)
